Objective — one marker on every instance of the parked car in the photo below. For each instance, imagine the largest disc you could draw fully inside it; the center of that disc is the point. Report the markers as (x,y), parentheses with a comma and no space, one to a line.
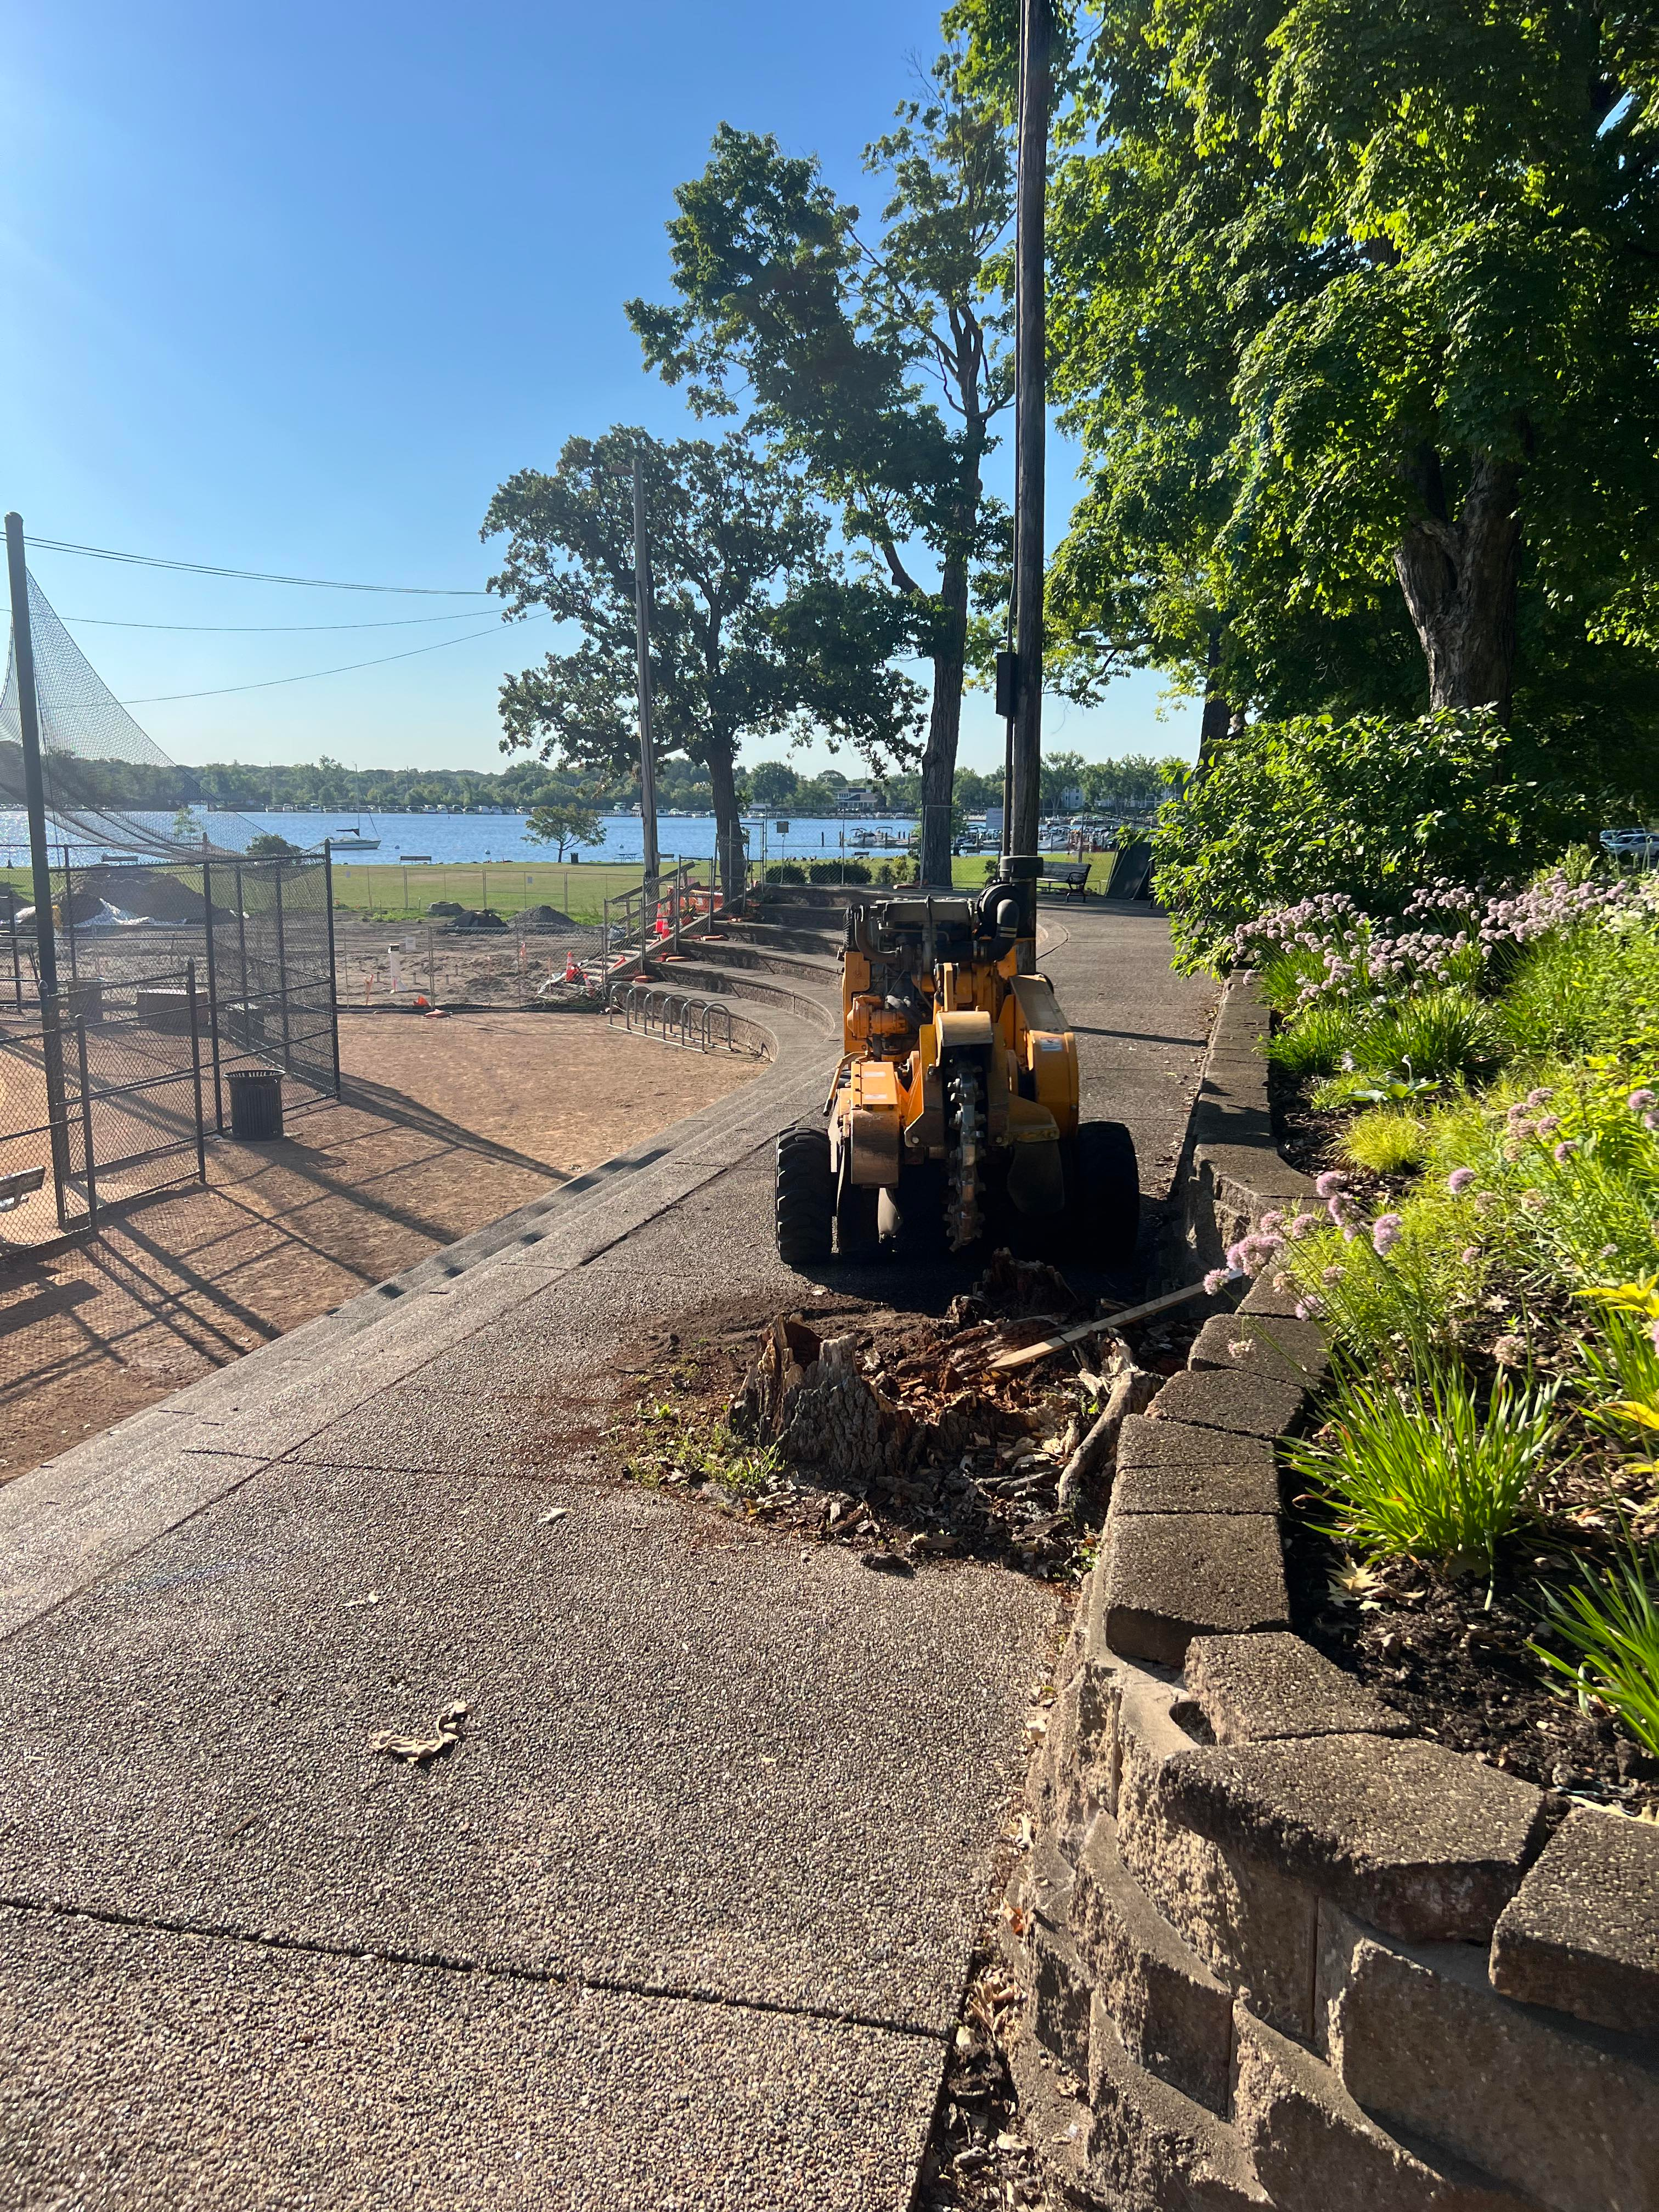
(1631,845)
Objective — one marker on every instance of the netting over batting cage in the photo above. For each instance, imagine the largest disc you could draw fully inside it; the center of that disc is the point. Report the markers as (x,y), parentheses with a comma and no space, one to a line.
(108,785)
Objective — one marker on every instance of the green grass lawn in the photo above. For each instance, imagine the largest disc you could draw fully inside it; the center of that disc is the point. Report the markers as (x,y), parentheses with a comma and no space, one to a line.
(387,890)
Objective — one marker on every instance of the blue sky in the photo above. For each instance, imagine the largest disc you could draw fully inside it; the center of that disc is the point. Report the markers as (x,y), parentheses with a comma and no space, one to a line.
(293,289)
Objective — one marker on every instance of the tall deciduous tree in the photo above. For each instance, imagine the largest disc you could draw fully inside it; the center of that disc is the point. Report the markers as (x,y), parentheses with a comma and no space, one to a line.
(1359,312)
(754,629)
(878,358)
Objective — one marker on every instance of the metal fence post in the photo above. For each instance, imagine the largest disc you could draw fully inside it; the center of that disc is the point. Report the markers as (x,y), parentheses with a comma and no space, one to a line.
(86,1125)
(69,911)
(212,990)
(333,977)
(281,968)
(241,941)
(196,1068)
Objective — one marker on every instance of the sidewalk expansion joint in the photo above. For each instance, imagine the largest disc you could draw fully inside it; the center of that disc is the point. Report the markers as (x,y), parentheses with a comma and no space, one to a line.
(503,1970)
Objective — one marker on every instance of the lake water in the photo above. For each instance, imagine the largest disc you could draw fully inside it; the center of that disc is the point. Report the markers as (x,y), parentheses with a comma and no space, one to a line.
(455,839)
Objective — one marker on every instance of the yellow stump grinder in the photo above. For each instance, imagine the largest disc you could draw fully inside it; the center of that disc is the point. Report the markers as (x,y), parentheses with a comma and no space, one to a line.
(956,1098)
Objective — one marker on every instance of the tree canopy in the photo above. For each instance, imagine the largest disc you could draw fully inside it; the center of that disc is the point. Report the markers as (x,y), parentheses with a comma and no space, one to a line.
(1357,312)
(754,628)
(877,358)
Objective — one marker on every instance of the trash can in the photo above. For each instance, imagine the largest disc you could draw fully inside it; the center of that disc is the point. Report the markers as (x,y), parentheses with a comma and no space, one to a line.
(256,1102)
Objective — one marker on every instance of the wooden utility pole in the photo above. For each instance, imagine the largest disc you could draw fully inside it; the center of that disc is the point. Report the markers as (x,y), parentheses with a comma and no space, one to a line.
(642,649)
(1030,403)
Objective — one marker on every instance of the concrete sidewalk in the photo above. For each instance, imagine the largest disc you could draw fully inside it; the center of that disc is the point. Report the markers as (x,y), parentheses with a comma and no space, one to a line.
(682,1920)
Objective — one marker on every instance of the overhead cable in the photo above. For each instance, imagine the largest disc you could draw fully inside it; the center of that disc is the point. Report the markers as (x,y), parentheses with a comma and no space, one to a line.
(246,575)
(249,629)
(269,683)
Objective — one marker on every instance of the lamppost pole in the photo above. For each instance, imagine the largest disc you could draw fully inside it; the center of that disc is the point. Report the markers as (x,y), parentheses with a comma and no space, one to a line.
(1030,401)
(642,648)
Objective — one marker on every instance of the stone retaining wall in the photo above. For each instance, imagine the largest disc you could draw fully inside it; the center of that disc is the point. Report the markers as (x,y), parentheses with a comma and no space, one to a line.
(1277,1950)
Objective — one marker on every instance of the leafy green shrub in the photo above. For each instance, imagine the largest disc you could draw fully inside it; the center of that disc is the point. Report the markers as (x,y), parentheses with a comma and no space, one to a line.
(1371,807)
(785,872)
(1442,1033)
(1421,1471)
(1609,1623)
(1317,1042)
(838,872)
(1385,1142)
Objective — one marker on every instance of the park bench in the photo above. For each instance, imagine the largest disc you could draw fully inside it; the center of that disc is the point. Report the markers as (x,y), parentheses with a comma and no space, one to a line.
(1071,876)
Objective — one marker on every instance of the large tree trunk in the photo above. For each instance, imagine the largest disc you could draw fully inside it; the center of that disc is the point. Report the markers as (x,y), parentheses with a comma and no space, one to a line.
(1213,724)
(939,762)
(728,827)
(1459,580)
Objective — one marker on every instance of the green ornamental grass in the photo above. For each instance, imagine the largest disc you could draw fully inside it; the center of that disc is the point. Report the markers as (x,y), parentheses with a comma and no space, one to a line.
(1423,1471)
(1609,1622)
(1385,1142)
(1438,1034)
(1318,1041)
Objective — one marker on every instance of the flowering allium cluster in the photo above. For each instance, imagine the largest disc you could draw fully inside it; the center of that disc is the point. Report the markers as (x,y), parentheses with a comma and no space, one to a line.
(1445,933)
(1518,917)
(1312,922)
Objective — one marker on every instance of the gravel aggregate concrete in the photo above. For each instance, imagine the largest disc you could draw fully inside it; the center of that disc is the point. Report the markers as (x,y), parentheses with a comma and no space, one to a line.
(349,2085)
(694,1759)
(746,1792)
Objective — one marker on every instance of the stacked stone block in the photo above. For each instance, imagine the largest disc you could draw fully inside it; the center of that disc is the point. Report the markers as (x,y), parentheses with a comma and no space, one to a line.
(1279,1952)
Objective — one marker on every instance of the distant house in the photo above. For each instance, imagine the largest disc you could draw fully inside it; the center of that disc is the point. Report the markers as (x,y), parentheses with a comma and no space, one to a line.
(858,799)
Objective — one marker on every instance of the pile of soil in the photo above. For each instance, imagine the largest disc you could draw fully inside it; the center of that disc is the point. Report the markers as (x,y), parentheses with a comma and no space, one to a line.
(544,921)
(912,1447)
(468,918)
(149,891)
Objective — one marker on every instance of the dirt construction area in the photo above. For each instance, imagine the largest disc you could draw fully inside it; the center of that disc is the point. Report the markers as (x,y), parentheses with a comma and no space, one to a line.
(445,1125)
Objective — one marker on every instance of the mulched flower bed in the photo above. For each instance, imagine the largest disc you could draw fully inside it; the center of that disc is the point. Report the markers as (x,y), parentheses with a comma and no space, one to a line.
(1450,1652)
(1452,1659)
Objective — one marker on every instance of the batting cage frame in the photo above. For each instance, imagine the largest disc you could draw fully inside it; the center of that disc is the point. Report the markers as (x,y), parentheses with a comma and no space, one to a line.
(134,981)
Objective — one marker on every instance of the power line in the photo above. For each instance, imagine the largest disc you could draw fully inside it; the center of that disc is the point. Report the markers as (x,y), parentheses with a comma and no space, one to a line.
(158,698)
(248,630)
(246,575)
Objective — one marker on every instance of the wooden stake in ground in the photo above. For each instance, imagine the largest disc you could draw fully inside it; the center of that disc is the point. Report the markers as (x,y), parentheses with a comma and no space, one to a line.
(1107,1326)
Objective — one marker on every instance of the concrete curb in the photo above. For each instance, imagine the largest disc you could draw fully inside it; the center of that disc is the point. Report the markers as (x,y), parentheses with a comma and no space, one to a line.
(1278,1953)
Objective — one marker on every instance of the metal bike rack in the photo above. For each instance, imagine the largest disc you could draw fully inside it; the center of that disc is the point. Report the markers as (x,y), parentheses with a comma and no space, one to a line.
(676,1017)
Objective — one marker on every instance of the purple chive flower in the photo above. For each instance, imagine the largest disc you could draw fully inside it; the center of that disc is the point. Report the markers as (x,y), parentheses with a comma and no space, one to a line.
(1653,1334)
(1548,1125)
(1469,1254)
(1566,1149)
(1539,1097)
(1301,1225)
(1270,1223)
(1651,1120)
(1217,1276)
(1640,1101)
(1330,1184)
(1308,1308)
(1385,1233)
(1332,1274)
(1532,1200)
(1459,1180)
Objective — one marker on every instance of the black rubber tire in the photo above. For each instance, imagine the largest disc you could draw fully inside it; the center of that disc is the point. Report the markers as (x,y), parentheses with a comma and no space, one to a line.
(919,1202)
(805,1208)
(1106,1210)
(858,1224)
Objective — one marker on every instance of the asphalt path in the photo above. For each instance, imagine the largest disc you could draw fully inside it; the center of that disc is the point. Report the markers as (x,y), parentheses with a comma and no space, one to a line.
(682,1919)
